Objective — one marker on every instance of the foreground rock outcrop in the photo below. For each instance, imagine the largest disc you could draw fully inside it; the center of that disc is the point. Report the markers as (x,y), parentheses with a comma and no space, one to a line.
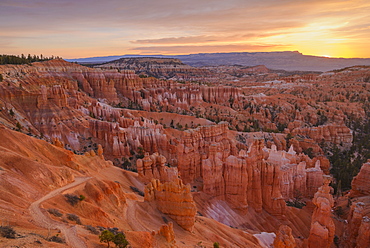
(174,199)
(31,168)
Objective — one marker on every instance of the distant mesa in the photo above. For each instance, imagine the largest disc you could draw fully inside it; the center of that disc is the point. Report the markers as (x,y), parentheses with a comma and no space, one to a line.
(288,60)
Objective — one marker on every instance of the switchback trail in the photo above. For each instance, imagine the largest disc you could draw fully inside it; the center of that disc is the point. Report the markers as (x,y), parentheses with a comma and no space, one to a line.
(70,232)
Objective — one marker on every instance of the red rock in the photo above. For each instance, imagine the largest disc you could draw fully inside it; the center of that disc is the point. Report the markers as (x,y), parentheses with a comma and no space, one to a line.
(314,179)
(360,183)
(100,151)
(333,133)
(322,226)
(357,233)
(236,181)
(166,231)
(194,144)
(212,172)
(364,233)
(284,238)
(154,166)
(354,222)
(175,199)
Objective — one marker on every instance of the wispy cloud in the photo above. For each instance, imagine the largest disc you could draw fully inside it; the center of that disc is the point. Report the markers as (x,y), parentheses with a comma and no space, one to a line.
(204,48)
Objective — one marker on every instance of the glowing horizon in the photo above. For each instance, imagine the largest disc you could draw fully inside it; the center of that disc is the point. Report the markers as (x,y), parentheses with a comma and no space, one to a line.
(92,28)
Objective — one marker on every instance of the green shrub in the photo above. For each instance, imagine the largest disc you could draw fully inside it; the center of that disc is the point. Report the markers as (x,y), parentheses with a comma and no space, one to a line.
(120,240)
(339,211)
(106,237)
(112,235)
(92,229)
(296,203)
(56,239)
(73,217)
(72,199)
(19,126)
(136,190)
(7,232)
(55,212)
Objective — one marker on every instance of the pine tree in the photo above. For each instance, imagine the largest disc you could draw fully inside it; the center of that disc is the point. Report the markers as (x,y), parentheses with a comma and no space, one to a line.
(106,236)
(120,240)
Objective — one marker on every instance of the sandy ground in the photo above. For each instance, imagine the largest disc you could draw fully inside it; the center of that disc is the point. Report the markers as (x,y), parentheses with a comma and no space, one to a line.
(69,231)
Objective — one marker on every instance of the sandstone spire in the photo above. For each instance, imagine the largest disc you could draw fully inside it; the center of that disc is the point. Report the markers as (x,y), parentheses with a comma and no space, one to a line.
(175,199)
(322,226)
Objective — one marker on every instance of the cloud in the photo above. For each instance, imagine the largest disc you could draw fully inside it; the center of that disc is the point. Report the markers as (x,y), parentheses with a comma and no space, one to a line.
(195,39)
(205,48)
(178,40)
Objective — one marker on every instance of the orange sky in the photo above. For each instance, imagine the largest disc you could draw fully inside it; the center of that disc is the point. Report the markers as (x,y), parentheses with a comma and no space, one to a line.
(86,28)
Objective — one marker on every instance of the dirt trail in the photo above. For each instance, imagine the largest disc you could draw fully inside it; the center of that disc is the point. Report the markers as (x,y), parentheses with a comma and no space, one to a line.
(70,232)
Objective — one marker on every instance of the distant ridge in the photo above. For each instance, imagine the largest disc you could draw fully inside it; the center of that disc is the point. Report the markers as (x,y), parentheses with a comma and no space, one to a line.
(105,59)
(288,60)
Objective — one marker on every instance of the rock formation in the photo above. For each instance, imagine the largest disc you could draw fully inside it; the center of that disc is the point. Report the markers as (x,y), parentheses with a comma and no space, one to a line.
(284,238)
(166,231)
(154,166)
(357,234)
(314,179)
(360,183)
(100,151)
(252,159)
(364,233)
(236,181)
(174,199)
(322,226)
(165,68)
(195,143)
(335,134)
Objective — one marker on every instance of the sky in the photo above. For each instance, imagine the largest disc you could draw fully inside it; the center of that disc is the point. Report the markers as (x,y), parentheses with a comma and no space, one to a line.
(88,28)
